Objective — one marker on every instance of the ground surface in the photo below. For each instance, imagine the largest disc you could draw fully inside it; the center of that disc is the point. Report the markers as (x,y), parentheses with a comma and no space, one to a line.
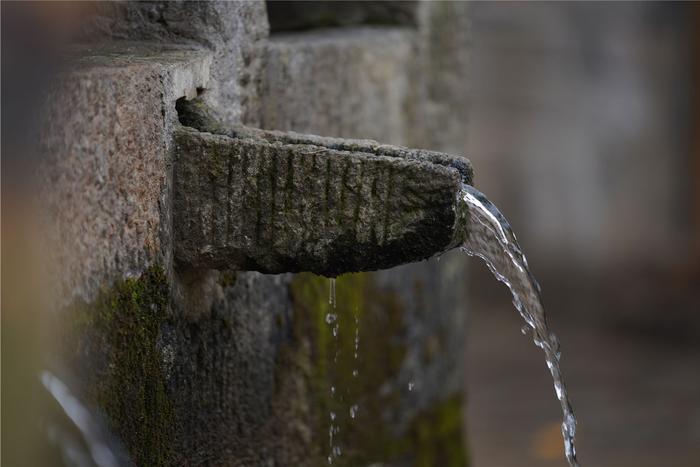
(632,370)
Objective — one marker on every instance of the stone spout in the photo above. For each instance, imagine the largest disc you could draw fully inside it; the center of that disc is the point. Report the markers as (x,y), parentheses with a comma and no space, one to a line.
(270,201)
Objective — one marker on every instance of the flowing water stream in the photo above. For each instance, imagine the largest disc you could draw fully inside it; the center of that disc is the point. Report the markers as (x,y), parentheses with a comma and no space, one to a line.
(490,238)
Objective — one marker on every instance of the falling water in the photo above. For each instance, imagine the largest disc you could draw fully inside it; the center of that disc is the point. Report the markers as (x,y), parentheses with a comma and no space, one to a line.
(101,453)
(332,320)
(490,238)
(356,354)
(355,372)
(331,292)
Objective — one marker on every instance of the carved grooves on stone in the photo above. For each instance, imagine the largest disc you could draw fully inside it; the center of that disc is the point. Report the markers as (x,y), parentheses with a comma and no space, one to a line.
(268,205)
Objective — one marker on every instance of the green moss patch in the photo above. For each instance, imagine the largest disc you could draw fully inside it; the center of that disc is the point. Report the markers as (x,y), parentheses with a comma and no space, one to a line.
(114,344)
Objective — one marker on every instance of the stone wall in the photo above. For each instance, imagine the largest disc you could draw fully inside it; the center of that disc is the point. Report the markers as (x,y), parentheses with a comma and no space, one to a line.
(229,367)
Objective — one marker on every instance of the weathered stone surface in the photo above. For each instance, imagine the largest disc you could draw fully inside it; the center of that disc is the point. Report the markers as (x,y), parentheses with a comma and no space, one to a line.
(440,77)
(275,205)
(223,375)
(196,114)
(414,90)
(351,83)
(184,391)
(183,367)
(235,32)
(182,363)
(106,143)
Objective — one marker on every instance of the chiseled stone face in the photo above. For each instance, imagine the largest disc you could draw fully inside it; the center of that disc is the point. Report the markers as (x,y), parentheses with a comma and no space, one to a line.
(286,202)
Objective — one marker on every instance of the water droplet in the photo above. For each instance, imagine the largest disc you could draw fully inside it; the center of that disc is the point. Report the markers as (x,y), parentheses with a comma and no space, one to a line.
(353,411)
(330,318)
(410,386)
(331,292)
(355,373)
(524,329)
(332,415)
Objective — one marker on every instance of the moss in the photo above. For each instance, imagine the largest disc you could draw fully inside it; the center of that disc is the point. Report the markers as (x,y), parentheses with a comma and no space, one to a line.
(434,437)
(114,343)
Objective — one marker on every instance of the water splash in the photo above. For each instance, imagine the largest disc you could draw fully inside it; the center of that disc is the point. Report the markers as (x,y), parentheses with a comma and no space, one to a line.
(490,237)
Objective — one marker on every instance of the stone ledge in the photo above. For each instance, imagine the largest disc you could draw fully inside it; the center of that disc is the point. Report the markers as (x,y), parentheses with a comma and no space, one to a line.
(189,66)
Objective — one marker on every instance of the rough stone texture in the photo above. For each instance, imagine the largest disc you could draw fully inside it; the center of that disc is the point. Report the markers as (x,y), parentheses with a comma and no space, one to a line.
(196,114)
(183,366)
(440,77)
(312,83)
(235,32)
(414,91)
(223,375)
(249,204)
(286,202)
(106,170)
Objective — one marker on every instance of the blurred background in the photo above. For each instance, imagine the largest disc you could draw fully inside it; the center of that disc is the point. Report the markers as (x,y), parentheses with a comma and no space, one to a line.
(583,130)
